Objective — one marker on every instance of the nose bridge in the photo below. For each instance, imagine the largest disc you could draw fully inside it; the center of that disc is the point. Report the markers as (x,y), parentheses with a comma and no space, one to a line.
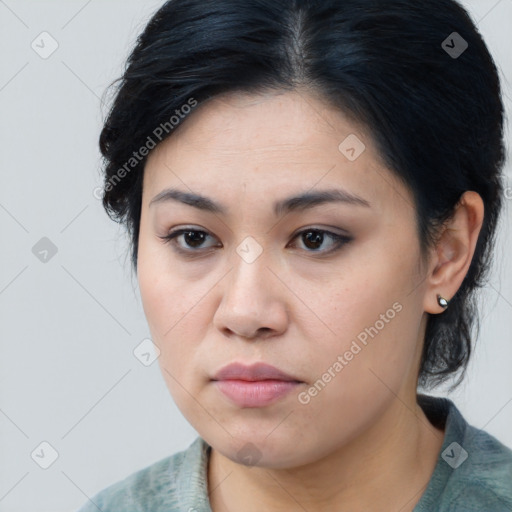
(249,275)
(250,297)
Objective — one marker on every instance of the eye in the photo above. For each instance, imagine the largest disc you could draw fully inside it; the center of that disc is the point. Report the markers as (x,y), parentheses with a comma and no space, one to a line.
(313,240)
(193,240)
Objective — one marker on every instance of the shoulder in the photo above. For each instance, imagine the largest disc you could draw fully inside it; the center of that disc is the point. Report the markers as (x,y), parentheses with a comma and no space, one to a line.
(474,470)
(156,487)
(485,477)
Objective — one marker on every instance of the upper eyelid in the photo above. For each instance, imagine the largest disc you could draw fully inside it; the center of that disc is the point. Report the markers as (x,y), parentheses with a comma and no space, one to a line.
(180,230)
(174,234)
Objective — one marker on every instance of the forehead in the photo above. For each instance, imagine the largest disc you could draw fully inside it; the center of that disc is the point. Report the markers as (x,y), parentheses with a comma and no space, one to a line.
(269,144)
(287,121)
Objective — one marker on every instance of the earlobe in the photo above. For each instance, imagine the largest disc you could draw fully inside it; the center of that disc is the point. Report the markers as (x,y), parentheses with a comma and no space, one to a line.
(454,252)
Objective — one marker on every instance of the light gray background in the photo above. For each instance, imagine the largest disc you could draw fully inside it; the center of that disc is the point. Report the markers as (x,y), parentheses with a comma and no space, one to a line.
(69,326)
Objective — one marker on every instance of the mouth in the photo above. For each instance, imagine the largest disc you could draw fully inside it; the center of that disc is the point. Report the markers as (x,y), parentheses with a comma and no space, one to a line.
(254,372)
(256,385)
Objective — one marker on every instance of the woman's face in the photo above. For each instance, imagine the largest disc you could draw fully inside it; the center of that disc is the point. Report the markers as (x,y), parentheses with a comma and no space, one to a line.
(248,283)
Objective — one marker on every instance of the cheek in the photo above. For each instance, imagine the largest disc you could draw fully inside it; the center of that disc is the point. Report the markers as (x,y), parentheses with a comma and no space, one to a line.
(158,299)
(168,312)
(160,287)
(176,311)
(361,370)
(165,309)
(372,321)
(173,324)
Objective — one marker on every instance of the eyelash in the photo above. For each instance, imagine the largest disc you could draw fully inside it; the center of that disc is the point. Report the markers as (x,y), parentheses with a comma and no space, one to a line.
(340,240)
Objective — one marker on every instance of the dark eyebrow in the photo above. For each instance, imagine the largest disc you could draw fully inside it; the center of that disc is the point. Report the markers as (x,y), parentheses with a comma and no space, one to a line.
(294,203)
(310,199)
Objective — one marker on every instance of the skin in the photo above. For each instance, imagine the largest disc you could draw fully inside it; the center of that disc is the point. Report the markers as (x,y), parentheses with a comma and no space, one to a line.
(362,443)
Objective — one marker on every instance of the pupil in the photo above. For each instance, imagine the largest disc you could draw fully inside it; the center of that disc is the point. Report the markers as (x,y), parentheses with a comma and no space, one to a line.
(315,237)
(190,234)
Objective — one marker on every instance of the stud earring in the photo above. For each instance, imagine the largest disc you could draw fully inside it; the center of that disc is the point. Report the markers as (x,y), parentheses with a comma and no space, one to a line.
(442,301)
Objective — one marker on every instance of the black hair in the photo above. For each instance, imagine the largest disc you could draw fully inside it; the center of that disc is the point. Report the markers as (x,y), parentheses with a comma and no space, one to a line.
(417,75)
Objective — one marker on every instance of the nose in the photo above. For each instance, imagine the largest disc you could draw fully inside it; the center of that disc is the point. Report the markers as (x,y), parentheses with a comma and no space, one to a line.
(253,302)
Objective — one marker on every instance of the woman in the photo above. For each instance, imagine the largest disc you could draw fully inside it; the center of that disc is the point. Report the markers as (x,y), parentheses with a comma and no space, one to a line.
(312,190)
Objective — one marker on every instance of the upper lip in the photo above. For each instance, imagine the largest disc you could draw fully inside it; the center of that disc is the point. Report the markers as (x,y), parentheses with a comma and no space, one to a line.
(253,372)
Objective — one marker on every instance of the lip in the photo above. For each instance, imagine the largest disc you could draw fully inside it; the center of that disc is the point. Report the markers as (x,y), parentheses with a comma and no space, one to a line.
(253,372)
(256,385)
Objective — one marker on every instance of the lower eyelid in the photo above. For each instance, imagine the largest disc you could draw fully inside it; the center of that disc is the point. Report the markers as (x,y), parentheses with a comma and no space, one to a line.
(173,236)
(339,240)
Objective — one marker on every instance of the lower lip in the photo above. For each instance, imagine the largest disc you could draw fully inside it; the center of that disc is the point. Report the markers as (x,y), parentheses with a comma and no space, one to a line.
(255,393)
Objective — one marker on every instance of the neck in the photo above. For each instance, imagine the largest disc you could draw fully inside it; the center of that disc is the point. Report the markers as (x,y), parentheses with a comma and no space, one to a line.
(387,467)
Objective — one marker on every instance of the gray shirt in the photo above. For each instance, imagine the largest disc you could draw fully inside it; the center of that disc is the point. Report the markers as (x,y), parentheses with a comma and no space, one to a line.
(473,473)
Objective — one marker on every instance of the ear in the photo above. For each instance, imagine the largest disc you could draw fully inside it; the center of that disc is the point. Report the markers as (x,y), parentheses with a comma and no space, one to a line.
(452,256)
